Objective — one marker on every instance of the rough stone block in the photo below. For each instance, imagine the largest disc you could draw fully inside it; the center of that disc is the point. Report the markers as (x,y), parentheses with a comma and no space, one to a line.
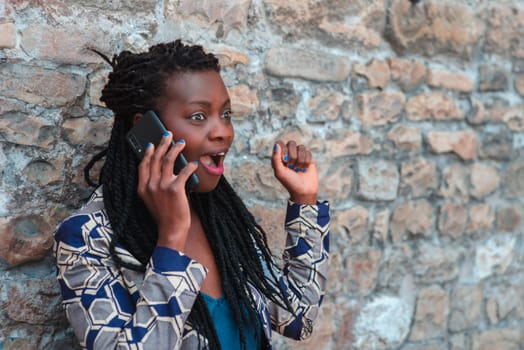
(493,78)
(380,108)
(418,178)
(450,80)
(463,143)
(485,179)
(408,74)
(433,106)
(378,180)
(494,256)
(309,65)
(376,73)
(244,101)
(412,219)
(431,316)
(7,35)
(452,220)
(406,138)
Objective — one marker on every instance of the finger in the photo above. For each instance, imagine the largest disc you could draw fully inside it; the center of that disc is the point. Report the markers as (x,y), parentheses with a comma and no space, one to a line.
(292,154)
(283,151)
(168,163)
(158,156)
(144,168)
(277,158)
(309,160)
(186,172)
(301,158)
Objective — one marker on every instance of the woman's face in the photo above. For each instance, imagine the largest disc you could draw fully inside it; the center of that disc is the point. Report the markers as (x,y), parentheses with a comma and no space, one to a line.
(196,107)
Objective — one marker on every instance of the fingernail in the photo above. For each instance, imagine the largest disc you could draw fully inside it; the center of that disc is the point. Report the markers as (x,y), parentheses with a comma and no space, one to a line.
(149,145)
(304,169)
(297,169)
(181,141)
(195,162)
(275,147)
(285,158)
(291,166)
(166,134)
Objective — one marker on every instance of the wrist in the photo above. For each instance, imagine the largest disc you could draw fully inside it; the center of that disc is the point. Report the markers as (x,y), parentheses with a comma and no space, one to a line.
(172,239)
(308,199)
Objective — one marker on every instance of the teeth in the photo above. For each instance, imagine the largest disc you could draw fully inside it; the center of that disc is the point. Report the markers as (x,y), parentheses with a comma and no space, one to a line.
(221,154)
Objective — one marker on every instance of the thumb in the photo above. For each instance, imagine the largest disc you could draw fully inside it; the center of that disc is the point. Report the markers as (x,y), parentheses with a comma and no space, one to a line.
(277,159)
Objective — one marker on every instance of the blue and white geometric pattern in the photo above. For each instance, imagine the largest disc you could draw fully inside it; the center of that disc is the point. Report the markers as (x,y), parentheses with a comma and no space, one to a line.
(111,307)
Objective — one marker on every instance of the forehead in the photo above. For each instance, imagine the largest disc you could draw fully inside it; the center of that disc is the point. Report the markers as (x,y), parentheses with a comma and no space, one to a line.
(188,86)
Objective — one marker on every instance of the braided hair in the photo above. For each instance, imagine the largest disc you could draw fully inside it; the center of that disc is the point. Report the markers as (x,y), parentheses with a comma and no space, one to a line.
(238,243)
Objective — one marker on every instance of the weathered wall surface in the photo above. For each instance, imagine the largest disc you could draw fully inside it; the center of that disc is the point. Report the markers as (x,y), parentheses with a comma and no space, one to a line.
(415,113)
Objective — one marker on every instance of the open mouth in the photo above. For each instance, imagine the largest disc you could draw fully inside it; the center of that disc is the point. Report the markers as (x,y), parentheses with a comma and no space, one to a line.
(213,163)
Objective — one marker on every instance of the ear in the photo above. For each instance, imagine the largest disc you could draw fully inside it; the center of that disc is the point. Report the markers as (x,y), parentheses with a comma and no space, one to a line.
(137,117)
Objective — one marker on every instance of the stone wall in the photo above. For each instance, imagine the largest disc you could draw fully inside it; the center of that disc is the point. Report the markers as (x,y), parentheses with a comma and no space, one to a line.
(415,113)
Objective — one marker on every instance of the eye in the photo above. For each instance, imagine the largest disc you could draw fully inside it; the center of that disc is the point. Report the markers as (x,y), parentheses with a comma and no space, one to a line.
(197,116)
(227,115)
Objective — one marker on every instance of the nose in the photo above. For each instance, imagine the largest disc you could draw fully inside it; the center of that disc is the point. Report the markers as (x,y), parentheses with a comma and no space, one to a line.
(221,130)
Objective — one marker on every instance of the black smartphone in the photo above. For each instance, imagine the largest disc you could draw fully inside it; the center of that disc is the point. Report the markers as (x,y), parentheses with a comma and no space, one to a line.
(150,129)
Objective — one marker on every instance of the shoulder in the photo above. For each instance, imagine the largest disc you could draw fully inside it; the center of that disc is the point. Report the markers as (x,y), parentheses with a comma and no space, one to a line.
(88,225)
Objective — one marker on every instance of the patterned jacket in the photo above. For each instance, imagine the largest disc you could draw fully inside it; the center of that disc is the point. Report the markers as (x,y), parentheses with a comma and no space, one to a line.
(111,307)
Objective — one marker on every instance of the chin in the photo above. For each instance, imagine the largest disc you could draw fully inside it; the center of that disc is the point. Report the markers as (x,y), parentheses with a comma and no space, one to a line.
(205,187)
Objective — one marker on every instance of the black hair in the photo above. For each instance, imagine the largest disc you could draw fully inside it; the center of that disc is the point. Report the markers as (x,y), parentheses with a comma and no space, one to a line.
(238,243)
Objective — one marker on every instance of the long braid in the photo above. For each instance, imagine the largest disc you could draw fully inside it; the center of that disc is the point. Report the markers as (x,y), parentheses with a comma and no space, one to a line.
(238,243)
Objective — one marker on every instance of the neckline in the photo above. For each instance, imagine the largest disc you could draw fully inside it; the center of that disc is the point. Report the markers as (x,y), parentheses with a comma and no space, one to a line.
(212,299)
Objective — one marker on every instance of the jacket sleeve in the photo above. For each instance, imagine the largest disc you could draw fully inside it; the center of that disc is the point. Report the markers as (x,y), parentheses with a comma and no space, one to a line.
(105,310)
(304,273)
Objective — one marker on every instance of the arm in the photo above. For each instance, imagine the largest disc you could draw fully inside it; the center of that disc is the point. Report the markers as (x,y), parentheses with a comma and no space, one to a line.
(102,309)
(305,269)
(306,253)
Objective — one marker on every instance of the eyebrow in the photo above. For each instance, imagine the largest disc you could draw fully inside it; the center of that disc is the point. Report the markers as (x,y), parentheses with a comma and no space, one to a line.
(208,104)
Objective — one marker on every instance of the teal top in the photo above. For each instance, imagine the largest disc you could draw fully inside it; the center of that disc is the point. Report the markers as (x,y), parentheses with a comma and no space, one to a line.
(225,326)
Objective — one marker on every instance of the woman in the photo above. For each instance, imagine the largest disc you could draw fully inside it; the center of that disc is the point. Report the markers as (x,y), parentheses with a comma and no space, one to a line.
(145,265)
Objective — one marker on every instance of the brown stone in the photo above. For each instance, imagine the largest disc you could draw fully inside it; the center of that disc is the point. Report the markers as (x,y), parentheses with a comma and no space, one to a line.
(436,263)
(272,221)
(433,106)
(493,78)
(232,15)
(376,72)
(357,34)
(244,101)
(24,238)
(484,180)
(284,101)
(463,143)
(504,301)
(496,145)
(326,105)
(66,44)
(40,86)
(326,21)
(381,227)
(406,138)
(513,117)
(7,35)
(35,302)
(502,338)
(431,315)
(452,220)
(309,65)
(509,217)
(27,130)
(450,80)
(97,81)
(362,270)
(337,183)
(418,178)
(407,74)
(262,145)
(82,131)
(229,57)
(455,181)
(342,143)
(43,172)
(504,30)
(481,218)
(380,108)
(519,84)
(466,307)
(431,27)
(413,218)
(494,256)
(378,180)
(353,223)
(514,179)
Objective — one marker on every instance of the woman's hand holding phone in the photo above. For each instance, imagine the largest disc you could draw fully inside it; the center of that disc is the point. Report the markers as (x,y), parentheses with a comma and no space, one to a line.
(164,193)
